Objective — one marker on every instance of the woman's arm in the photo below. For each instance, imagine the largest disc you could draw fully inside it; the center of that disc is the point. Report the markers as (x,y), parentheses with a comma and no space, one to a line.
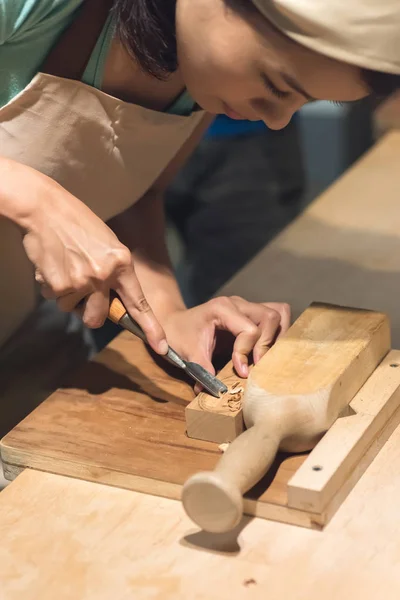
(14,206)
(193,332)
(142,229)
(74,253)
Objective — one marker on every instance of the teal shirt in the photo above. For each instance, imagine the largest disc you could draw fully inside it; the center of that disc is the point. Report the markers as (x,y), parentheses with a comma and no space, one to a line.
(28,31)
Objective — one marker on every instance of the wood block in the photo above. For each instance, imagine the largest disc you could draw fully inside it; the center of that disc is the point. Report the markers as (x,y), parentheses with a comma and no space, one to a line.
(293,396)
(121,421)
(320,364)
(337,340)
(218,420)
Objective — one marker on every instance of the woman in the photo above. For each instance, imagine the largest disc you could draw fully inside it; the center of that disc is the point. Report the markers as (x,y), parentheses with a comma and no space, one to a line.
(77,155)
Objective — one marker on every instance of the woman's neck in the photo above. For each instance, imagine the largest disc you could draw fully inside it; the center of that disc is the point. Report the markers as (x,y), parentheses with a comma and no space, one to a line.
(124,79)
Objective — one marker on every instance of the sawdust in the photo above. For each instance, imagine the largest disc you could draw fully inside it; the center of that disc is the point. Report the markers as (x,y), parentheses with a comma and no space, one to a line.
(230,402)
(234,397)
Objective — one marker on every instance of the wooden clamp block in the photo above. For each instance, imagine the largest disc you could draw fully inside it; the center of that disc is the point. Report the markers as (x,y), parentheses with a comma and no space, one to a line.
(121,420)
(293,396)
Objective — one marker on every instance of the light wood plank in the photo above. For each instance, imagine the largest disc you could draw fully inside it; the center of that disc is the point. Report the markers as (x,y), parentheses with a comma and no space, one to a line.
(342,448)
(106,429)
(64,538)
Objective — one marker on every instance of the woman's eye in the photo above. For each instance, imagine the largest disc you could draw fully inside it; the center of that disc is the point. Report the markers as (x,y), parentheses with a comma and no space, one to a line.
(273,89)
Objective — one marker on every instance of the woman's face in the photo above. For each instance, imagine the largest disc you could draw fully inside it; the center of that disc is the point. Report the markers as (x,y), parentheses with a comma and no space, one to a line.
(246,69)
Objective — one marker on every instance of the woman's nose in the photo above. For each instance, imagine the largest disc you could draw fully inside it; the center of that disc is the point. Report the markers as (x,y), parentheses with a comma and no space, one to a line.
(277,115)
(280,122)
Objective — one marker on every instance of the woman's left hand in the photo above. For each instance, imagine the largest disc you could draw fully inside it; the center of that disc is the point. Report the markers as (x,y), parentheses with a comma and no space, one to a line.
(192,332)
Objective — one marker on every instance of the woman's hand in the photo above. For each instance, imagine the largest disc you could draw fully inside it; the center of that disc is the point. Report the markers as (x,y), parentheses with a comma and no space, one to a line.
(77,256)
(192,333)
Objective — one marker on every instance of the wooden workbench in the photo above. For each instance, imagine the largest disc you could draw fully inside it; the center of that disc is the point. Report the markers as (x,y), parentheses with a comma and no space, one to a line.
(68,539)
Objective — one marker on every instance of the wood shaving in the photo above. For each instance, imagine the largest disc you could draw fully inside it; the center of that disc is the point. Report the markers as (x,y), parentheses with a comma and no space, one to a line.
(236,389)
(223,447)
(234,403)
(231,400)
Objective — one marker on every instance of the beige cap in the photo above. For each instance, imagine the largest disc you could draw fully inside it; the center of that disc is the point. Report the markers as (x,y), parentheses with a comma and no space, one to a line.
(365,33)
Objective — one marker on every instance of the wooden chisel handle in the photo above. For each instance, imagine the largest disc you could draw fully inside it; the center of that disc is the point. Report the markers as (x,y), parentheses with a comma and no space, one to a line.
(118,314)
(116,311)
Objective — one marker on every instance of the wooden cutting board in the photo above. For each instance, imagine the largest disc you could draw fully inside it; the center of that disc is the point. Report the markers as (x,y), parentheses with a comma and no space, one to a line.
(121,421)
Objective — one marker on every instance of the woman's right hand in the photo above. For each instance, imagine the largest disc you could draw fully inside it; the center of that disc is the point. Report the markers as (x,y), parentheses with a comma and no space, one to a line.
(77,256)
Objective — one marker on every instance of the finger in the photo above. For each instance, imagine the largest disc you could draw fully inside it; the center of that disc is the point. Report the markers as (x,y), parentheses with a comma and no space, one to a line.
(243,346)
(286,315)
(227,316)
(39,277)
(129,290)
(52,291)
(205,363)
(96,308)
(198,388)
(273,319)
(269,326)
(47,292)
(70,302)
(267,320)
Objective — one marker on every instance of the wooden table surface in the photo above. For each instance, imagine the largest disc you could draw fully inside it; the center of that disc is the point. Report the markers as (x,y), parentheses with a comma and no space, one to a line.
(344,249)
(63,538)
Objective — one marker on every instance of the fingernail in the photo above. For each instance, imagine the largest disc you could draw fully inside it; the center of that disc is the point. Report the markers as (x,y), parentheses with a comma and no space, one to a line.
(163,347)
(245,370)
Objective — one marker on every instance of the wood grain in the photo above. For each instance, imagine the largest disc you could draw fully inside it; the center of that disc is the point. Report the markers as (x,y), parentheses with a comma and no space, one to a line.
(293,396)
(325,357)
(63,538)
(343,448)
(121,421)
(216,419)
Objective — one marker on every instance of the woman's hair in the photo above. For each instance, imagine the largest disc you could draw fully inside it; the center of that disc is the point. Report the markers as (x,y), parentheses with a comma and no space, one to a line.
(380,84)
(147,29)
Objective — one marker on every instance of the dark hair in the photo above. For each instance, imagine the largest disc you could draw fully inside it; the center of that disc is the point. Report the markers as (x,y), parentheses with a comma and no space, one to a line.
(380,84)
(147,29)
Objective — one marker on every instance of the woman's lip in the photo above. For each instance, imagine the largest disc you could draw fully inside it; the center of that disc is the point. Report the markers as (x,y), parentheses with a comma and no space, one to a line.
(232,114)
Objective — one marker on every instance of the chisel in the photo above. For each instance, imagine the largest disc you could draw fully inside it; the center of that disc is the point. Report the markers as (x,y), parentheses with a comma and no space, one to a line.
(119,315)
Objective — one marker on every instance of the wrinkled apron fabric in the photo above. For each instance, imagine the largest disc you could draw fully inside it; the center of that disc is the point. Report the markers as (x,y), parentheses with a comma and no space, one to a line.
(106,152)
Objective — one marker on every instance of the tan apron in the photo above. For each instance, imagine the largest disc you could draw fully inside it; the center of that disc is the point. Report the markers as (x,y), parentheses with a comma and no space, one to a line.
(106,152)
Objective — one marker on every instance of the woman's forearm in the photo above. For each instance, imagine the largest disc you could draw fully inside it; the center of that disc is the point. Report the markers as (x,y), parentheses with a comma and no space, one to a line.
(18,192)
(142,229)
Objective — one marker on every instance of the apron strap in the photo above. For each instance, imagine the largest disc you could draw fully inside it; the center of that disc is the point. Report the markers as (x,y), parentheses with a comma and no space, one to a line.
(69,57)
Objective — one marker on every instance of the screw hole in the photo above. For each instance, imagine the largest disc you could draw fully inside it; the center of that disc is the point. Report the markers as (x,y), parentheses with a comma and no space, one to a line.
(394,365)
(317,468)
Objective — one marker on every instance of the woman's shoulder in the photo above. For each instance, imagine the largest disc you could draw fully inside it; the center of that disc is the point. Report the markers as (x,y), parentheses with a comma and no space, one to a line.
(20,19)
